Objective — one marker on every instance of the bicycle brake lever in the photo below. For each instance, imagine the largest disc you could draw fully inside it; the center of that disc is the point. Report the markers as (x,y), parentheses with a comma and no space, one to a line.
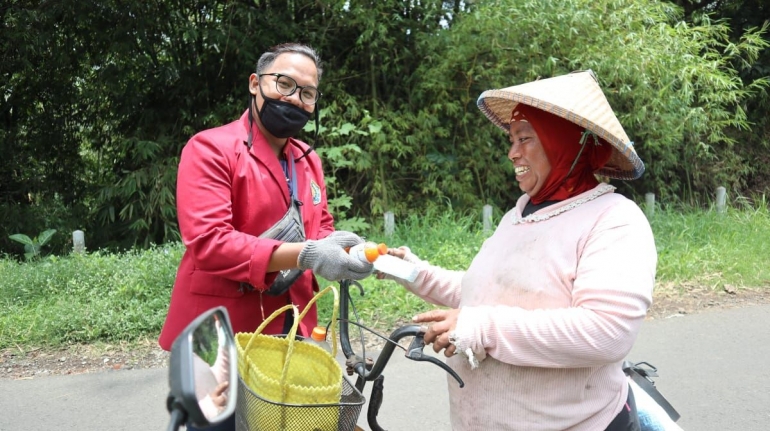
(415,353)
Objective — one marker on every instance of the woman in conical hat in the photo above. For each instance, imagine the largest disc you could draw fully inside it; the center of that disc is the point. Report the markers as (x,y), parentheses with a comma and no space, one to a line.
(539,324)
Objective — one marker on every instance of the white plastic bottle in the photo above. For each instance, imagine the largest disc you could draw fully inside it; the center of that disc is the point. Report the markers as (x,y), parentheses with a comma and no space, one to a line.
(396,267)
(318,337)
(377,255)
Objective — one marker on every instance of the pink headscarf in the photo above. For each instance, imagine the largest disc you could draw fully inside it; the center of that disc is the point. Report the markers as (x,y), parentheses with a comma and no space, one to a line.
(561,141)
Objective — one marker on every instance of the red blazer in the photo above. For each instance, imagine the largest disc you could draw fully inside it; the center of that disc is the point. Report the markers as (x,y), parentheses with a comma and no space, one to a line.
(226,196)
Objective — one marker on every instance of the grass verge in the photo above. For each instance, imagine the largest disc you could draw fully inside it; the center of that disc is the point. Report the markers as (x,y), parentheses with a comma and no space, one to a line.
(119,298)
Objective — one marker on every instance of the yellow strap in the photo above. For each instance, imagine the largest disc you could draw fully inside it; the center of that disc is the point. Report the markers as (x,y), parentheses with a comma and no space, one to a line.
(334,313)
(291,336)
(269,319)
(290,351)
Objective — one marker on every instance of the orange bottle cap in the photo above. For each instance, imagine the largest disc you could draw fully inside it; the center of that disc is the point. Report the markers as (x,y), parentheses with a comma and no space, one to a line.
(372,253)
(319,333)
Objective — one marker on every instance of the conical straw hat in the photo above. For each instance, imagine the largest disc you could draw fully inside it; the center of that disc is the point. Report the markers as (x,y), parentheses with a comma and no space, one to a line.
(578,98)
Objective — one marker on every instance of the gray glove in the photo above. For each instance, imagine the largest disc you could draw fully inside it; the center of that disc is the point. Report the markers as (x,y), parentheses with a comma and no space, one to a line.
(327,257)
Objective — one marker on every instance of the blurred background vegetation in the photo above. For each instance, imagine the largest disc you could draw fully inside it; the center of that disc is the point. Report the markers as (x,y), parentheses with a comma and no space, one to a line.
(97,98)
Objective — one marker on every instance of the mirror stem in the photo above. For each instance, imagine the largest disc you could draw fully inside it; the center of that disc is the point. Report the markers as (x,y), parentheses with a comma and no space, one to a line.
(177,417)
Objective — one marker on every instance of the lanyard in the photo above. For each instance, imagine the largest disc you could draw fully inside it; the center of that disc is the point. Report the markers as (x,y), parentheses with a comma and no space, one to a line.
(293,181)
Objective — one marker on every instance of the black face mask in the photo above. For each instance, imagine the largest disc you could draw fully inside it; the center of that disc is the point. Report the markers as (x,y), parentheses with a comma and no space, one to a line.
(282,119)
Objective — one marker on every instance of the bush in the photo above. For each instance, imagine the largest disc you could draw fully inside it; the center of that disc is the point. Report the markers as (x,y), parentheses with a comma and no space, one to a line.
(88,297)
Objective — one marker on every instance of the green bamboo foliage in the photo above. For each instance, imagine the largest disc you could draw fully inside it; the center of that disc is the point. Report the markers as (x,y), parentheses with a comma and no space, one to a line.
(675,86)
(98,98)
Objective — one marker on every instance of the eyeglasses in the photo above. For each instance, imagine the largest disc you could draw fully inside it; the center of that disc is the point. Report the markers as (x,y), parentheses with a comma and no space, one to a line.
(286,85)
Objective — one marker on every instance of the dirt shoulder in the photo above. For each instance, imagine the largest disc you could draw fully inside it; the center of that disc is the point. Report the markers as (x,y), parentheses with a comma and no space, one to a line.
(17,363)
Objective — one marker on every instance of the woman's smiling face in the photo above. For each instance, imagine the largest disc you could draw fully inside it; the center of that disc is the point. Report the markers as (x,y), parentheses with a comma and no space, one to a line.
(528,156)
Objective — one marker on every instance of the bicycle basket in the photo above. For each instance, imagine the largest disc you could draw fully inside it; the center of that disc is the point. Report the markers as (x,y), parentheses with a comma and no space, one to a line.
(284,374)
(254,413)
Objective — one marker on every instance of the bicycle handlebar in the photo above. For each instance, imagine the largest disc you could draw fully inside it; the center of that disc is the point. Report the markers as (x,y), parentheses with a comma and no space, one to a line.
(413,352)
(359,364)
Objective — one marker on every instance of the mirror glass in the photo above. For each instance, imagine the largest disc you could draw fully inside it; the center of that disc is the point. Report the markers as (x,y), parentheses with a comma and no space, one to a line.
(212,355)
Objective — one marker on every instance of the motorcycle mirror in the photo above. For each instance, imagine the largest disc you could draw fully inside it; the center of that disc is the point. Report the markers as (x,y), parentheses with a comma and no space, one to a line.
(203,374)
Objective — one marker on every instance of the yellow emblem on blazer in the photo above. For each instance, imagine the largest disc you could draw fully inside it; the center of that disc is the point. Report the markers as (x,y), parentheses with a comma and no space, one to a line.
(316,192)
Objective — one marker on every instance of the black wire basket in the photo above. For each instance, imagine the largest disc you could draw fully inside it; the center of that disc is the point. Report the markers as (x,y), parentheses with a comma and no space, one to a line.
(254,413)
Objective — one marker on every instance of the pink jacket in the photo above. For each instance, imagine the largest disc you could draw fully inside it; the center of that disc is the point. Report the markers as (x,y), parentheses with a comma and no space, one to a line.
(550,307)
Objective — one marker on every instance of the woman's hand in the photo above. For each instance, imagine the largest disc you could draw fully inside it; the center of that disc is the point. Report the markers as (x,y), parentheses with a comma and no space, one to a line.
(444,324)
(214,403)
(405,253)
(400,253)
(218,395)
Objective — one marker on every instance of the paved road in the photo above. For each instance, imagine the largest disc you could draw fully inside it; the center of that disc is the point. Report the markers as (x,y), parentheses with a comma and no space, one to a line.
(713,367)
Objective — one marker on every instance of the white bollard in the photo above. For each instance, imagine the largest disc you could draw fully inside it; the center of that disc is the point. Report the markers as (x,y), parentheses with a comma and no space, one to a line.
(78,241)
(486,215)
(649,199)
(389,224)
(721,199)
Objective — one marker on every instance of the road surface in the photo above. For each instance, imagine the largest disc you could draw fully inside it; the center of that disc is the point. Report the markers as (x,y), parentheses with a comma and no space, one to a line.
(713,368)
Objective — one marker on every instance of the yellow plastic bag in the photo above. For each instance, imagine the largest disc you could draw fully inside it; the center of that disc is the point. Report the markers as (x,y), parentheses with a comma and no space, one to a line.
(286,374)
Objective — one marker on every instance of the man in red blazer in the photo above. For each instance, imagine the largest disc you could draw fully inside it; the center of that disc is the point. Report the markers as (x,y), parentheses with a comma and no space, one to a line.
(252,208)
